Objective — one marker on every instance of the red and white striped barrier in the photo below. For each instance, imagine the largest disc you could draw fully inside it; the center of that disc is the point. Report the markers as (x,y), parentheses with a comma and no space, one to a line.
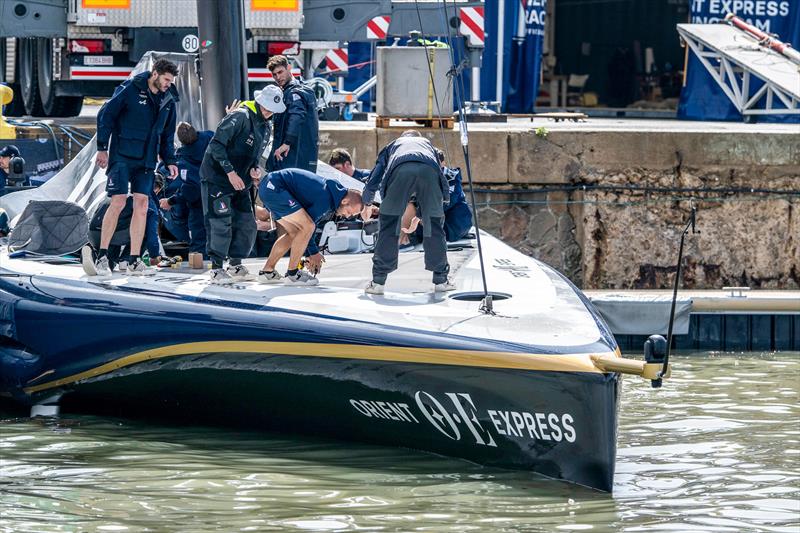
(472,25)
(122,73)
(336,60)
(99,73)
(263,74)
(378,27)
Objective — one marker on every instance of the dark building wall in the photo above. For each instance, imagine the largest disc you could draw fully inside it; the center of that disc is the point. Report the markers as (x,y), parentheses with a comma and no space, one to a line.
(592,34)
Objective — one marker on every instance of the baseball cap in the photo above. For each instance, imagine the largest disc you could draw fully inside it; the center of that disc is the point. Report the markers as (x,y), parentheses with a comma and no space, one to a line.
(271,99)
(9,151)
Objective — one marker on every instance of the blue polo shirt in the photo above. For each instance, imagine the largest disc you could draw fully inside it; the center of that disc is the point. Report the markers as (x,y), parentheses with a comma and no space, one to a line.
(287,191)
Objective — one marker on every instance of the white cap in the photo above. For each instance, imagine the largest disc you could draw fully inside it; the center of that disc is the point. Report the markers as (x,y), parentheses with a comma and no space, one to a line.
(271,99)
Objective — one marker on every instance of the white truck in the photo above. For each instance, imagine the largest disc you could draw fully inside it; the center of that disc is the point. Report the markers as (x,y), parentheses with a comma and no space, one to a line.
(55,52)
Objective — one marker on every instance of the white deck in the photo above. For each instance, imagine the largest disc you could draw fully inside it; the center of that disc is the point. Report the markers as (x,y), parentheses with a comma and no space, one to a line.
(543,309)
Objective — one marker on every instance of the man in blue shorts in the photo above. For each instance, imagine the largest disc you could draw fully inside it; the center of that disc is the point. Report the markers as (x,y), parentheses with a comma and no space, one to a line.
(134,128)
(298,201)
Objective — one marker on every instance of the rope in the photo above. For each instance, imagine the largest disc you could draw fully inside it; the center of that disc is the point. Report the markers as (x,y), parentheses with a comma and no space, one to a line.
(457,74)
(431,85)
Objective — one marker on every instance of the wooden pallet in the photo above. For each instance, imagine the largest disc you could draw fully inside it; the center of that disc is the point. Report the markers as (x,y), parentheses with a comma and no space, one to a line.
(444,122)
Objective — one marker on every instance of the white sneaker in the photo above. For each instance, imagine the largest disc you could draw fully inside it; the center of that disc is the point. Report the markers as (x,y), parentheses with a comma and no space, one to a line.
(269,277)
(239,273)
(122,266)
(168,262)
(87,261)
(373,288)
(220,276)
(444,287)
(138,268)
(302,278)
(102,268)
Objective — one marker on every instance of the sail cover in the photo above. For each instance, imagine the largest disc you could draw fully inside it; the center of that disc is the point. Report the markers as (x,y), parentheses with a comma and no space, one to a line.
(50,227)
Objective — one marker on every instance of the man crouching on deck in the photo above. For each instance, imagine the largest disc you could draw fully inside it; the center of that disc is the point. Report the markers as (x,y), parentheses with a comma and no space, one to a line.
(298,201)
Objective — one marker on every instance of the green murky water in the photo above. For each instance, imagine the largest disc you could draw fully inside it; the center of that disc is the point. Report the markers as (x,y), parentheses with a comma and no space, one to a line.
(717,449)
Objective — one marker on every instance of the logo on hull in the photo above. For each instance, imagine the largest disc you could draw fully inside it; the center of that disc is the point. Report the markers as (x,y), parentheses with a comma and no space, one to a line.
(458,418)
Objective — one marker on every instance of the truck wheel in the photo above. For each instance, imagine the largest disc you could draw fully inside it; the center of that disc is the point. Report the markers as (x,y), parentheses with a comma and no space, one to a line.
(16,108)
(53,106)
(28,80)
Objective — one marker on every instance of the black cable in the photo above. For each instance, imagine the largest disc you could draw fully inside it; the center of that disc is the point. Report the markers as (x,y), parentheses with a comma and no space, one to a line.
(643,188)
(433,84)
(73,139)
(645,202)
(43,126)
(486,304)
(77,131)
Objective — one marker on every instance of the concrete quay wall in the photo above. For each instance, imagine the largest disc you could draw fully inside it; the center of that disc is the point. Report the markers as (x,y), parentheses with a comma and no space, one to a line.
(607,206)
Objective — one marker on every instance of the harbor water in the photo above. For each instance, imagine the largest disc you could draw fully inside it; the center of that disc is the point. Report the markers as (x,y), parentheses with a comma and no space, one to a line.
(716,449)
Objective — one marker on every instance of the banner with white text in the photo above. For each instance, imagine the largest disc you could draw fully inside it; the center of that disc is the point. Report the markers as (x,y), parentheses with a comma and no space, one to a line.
(701,97)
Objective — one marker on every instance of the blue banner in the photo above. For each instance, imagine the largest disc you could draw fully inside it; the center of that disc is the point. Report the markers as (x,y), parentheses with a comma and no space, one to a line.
(521,49)
(526,57)
(701,97)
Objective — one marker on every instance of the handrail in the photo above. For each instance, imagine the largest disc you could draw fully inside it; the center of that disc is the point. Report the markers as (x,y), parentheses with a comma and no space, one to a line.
(634,367)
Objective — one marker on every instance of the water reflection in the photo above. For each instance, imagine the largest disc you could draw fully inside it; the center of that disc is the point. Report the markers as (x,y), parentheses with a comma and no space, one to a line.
(715,450)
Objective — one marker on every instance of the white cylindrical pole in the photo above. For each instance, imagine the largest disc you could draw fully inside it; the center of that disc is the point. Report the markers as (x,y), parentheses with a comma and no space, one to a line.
(501,14)
(476,84)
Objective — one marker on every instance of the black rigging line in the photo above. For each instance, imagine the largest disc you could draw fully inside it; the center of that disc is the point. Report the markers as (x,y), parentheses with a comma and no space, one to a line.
(432,81)
(457,73)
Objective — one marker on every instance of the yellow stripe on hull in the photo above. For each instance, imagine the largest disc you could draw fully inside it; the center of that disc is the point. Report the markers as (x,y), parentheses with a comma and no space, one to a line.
(505,360)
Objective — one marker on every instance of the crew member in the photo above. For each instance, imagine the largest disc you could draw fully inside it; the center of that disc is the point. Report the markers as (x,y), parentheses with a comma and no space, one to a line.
(296,132)
(298,201)
(406,167)
(134,128)
(229,167)
(457,214)
(340,160)
(190,156)
(119,244)
(8,153)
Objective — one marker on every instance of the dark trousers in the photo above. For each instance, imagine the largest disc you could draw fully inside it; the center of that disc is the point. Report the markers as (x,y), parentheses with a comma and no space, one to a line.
(421,181)
(386,250)
(197,228)
(264,242)
(230,225)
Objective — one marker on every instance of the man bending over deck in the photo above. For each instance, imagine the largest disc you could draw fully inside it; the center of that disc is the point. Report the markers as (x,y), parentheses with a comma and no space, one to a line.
(298,201)
(406,167)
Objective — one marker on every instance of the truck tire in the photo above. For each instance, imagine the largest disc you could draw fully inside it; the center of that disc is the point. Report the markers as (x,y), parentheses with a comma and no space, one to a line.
(52,105)
(16,108)
(28,78)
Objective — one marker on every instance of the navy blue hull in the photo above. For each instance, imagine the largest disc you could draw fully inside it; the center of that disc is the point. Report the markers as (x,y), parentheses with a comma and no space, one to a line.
(136,352)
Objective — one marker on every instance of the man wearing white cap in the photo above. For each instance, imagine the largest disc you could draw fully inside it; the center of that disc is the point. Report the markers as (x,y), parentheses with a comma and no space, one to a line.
(229,167)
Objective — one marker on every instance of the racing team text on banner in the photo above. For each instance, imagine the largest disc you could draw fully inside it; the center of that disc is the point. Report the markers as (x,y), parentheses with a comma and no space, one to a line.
(526,56)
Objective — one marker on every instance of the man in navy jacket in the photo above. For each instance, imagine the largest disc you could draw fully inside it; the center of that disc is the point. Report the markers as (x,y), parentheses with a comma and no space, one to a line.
(298,201)
(134,128)
(406,167)
(341,160)
(190,156)
(296,133)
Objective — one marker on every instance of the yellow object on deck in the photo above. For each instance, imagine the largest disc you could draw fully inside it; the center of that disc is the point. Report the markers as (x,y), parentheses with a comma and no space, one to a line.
(7,131)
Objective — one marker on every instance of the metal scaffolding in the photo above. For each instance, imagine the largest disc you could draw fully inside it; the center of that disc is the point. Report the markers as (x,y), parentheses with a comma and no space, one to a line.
(758,81)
